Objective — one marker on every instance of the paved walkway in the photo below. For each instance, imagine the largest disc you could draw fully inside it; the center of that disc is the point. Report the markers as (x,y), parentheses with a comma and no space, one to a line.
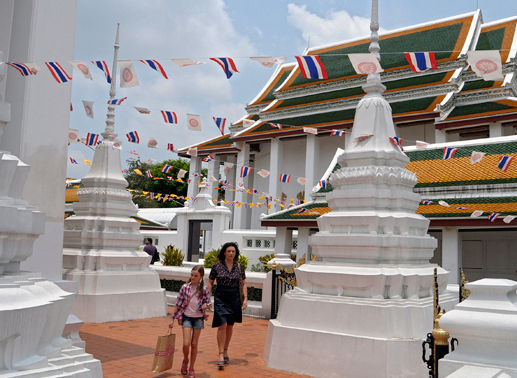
(126,349)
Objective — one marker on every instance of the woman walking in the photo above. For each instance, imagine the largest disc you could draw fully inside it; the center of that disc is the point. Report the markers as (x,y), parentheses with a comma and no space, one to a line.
(192,302)
(228,305)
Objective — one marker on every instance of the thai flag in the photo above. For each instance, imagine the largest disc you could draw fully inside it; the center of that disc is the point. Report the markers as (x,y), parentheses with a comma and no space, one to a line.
(504,162)
(148,174)
(448,152)
(224,188)
(58,72)
(397,142)
(68,184)
(116,101)
(73,161)
(92,139)
(220,122)
(208,159)
(227,65)
(421,61)
(170,178)
(461,208)
(492,217)
(225,182)
(134,153)
(151,195)
(427,202)
(23,69)
(169,117)
(323,184)
(155,66)
(255,191)
(311,67)
(284,177)
(245,171)
(170,147)
(104,68)
(302,210)
(337,133)
(166,168)
(197,175)
(132,137)
(277,125)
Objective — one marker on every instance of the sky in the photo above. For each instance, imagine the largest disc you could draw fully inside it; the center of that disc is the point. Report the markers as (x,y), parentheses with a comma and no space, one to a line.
(201,29)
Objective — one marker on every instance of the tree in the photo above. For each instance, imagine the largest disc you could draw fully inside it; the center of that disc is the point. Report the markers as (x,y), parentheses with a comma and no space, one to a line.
(157,186)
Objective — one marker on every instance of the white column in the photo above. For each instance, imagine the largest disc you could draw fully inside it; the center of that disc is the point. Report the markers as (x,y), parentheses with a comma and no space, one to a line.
(243,160)
(195,167)
(275,165)
(451,247)
(311,164)
(229,195)
(283,246)
(496,130)
(348,137)
(303,244)
(440,136)
(213,170)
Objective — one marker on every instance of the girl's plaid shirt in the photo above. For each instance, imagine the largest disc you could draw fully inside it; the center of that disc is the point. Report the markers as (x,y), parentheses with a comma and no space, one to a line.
(182,301)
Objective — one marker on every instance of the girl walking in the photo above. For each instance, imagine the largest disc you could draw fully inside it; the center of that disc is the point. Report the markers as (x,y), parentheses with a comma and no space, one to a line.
(192,302)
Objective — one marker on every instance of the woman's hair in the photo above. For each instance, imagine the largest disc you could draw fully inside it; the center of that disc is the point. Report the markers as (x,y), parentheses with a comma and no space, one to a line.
(201,286)
(225,246)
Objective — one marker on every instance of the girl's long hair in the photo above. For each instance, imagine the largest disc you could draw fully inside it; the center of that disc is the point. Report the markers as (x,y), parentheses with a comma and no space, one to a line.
(201,286)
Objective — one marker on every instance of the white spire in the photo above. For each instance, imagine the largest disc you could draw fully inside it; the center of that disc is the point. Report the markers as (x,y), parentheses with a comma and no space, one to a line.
(109,131)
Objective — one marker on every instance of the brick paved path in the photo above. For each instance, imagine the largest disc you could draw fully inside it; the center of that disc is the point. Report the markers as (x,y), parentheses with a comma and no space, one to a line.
(126,349)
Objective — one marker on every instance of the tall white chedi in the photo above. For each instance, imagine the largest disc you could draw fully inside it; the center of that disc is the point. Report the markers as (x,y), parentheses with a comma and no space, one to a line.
(101,241)
(362,309)
(33,310)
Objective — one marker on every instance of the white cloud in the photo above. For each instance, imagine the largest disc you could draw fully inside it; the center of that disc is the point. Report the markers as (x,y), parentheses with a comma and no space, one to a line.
(335,27)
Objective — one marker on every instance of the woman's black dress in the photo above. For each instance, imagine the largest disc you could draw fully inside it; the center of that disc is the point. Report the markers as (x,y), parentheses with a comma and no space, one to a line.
(227,304)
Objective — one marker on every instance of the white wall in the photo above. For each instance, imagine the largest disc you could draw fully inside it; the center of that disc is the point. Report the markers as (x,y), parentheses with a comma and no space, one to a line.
(42,30)
(328,147)
(261,184)
(294,165)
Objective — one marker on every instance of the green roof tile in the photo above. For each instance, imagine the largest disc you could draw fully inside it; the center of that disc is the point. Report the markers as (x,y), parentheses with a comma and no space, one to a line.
(491,40)
(289,214)
(485,107)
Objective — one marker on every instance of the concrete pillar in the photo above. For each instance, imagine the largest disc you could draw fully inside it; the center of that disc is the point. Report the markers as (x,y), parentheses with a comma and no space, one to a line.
(195,167)
(496,130)
(243,160)
(213,170)
(303,244)
(283,241)
(311,164)
(440,136)
(275,163)
(232,178)
(348,137)
(451,252)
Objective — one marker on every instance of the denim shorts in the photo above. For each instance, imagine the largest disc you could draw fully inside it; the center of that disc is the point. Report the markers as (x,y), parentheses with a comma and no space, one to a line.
(194,323)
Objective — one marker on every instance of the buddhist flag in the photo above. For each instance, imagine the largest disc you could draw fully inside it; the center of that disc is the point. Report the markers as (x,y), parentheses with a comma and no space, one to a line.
(310,130)
(421,145)
(142,110)
(263,173)
(73,136)
(152,143)
(88,108)
(266,61)
(508,218)
(302,181)
(476,213)
(365,64)
(247,123)
(192,151)
(194,122)
(486,64)
(181,173)
(227,168)
(186,62)
(476,157)
(82,67)
(128,77)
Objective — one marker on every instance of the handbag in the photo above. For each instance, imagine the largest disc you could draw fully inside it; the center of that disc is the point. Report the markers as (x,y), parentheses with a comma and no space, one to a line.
(164,352)
(241,286)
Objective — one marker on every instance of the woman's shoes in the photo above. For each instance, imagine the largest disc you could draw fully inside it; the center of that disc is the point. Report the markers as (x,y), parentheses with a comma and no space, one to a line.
(184,366)
(226,359)
(191,373)
(220,365)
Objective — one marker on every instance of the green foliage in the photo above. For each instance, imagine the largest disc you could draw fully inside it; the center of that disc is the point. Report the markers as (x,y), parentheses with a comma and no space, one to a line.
(211,259)
(172,256)
(258,267)
(264,260)
(143,183)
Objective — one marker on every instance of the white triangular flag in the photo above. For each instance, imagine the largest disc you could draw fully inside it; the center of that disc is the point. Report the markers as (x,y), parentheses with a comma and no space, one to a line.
(192,151)
(142,110)
(88,108)
(476,214)
(194,122)
(181,173)
(227,168)
(362,137)
(365,64)
(280,59)
(443,203)
(508,218)
(486,64)
(33,67)
(263,173)
(421,145)
(310,130)
(240,185)
(82,67)
(266,61)
(152,143)
(476,156)
(302,181)
(247,123)
(73,135)
(186,62)
(128,77)
(212,179)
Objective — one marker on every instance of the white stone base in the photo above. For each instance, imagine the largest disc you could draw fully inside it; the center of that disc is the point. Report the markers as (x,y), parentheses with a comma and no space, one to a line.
(458,369)
(330,336)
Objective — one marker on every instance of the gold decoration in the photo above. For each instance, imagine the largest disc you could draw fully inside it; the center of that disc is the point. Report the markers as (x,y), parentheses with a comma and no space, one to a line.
(441,337)
(464,291)
(290,277)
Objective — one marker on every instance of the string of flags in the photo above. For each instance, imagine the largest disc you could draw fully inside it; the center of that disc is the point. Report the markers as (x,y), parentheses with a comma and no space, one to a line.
(475,213)
(485,63)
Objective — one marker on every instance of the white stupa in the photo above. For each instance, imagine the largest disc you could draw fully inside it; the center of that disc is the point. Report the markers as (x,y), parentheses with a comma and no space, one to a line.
(101,241)
(362,309)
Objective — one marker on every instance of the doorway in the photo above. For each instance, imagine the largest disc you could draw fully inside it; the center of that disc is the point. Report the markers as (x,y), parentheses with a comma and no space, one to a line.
(194,236)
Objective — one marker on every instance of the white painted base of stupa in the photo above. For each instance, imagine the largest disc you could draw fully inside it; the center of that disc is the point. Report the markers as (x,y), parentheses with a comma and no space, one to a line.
(331,336)
(117,296)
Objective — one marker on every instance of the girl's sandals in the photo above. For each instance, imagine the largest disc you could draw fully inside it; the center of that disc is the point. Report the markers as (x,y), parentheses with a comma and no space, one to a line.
(184,367)
(191,373)
(220,363)
(226,359)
